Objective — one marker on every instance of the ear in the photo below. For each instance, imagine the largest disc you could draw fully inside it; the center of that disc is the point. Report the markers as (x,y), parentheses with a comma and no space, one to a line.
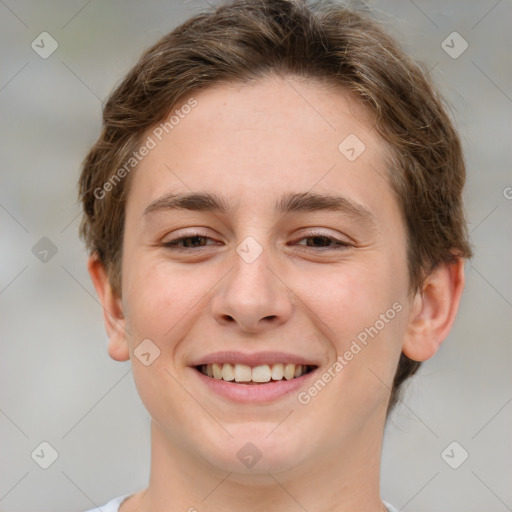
(113,316)
(433,311)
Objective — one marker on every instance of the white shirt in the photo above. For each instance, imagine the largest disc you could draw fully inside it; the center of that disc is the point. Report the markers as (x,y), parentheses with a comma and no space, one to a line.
(113,505)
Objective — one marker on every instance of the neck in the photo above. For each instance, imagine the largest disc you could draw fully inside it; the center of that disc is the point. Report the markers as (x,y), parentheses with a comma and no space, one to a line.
(343,480)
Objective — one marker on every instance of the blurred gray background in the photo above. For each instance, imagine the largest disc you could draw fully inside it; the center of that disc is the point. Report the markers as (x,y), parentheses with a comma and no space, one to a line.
(57,383)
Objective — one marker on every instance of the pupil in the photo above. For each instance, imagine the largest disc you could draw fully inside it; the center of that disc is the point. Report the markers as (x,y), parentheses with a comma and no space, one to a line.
(188,241)
(318,239)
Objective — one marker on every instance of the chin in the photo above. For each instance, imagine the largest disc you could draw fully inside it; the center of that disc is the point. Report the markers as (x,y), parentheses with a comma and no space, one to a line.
(252,452)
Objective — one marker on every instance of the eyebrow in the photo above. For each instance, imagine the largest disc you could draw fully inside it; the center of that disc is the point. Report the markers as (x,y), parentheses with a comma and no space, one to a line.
(288,203)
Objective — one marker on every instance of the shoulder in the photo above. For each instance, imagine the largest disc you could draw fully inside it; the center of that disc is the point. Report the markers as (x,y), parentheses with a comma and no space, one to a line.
(111,506)
(390,507)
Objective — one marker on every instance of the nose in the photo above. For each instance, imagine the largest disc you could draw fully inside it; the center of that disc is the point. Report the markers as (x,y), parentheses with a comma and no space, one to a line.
(253,296)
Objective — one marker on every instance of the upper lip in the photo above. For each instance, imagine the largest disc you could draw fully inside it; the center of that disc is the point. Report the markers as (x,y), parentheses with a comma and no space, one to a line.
(255,359)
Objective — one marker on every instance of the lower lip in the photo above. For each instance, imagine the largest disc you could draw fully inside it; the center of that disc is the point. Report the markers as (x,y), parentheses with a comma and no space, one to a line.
(267,392)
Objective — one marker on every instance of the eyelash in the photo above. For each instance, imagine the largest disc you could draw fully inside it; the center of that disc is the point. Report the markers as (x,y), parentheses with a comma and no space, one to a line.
(173,244)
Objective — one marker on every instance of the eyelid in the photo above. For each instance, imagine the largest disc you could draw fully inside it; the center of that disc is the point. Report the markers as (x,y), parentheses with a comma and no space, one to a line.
(312,232)
(180,236)
(339,242)
(182,233)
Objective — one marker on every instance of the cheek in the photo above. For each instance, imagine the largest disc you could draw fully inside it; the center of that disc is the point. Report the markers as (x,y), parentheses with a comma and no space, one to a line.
(360,309)
(363,310)
(353,296)
(159,298)
(160,303)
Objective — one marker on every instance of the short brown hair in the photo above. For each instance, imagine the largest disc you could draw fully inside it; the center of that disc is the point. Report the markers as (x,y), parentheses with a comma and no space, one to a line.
(244,40)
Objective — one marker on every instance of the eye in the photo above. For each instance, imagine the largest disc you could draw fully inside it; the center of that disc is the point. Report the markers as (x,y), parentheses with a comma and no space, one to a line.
(314,240)
(322,241)
(188,242)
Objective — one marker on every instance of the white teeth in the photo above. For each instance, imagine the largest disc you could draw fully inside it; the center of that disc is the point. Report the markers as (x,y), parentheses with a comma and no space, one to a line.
(217,371)
(228,372)
(289,371)
(277,371)
(261,373)
(242,373)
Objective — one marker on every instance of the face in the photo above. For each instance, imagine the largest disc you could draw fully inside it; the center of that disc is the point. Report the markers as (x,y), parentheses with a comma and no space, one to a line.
(260,233)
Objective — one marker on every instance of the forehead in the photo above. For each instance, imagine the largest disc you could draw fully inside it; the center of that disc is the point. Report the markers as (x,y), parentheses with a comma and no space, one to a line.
(260,139)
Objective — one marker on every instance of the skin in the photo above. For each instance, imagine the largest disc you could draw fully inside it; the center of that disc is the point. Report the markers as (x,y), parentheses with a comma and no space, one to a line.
(253,143)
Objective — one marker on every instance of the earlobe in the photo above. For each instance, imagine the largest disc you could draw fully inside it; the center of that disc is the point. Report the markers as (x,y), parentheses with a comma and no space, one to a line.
(433,311)
(113,316)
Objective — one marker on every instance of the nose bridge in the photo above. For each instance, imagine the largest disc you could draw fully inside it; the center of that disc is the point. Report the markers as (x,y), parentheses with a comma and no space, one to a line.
(251,269)
(252,295)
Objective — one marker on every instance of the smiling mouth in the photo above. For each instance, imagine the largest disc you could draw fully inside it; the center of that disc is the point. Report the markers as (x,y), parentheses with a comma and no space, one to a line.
(261,374)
